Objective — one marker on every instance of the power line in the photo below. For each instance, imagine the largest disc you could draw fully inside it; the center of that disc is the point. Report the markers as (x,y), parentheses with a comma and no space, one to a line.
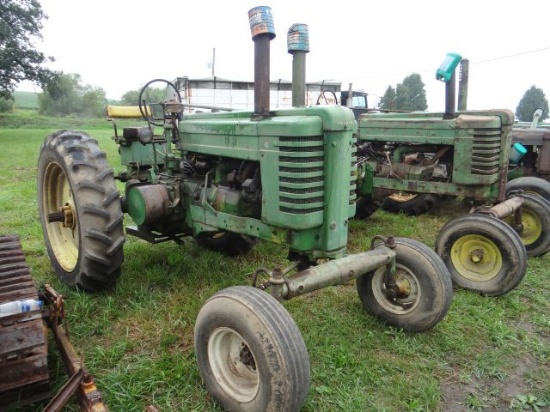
(378,76)
(511,55)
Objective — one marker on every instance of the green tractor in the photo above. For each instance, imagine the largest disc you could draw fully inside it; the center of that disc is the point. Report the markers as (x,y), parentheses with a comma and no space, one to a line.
(408,161)
(530,169)
(228,180)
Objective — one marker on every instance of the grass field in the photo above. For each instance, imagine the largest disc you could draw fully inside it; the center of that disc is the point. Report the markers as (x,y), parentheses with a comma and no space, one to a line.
(25,100)
(488,354)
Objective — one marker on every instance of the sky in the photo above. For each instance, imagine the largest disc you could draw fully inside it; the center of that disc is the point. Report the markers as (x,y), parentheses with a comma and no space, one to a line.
(119,45)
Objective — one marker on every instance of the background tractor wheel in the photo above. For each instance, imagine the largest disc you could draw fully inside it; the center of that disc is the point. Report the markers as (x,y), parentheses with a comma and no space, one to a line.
(483,254)
(534,229)
(250,353)
(80,211)
(410,203)
(531,185)
(228,243)
(365,207)
(423,284)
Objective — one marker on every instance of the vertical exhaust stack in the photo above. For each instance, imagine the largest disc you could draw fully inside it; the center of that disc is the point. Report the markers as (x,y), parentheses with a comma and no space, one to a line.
(463,84)
(263,31)
(450,97)
(446,73)
(298,46)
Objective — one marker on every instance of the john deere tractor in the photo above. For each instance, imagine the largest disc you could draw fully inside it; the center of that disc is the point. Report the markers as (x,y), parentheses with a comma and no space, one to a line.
(530,169)
(229,180)
(408,161)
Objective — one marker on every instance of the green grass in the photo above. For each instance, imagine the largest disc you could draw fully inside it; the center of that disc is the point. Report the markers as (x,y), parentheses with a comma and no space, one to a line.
(137,339)
(25,100)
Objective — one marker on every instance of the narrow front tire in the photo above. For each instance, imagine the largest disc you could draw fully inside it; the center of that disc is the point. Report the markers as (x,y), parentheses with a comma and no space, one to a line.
(424,289)
(250,353)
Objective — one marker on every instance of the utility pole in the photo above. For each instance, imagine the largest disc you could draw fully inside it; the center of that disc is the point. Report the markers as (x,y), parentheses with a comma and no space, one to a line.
(213,60)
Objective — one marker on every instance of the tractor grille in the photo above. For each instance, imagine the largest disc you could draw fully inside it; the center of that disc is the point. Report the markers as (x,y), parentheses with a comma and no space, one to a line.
(486,152)
(301,174)
(353,175)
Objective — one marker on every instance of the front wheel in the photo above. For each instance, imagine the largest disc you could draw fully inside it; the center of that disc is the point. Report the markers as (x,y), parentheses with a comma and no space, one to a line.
(529,184)
(423,289)
(483,254)
(250,353)
(534,228)
(80,211)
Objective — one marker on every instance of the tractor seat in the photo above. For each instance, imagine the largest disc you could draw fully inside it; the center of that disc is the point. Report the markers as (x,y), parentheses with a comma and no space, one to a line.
(141,133)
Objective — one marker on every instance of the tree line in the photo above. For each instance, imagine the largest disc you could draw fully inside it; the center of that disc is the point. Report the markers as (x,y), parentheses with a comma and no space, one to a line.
(64,94)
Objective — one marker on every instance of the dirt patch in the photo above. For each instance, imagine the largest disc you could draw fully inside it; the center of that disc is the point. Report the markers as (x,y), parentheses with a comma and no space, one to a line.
(489,394)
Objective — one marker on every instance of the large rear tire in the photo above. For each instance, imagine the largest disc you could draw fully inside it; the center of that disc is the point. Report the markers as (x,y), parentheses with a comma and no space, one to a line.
(424,284)
(410,204)
(250,353)
(483,254)
(80,211)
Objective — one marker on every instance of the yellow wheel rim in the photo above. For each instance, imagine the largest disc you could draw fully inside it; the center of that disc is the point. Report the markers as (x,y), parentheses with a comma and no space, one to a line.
(531,226)
(63,236)
(402,196)
(476,258)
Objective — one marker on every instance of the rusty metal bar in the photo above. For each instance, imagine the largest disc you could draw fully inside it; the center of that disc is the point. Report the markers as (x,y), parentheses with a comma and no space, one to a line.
(61,398)
(89,397)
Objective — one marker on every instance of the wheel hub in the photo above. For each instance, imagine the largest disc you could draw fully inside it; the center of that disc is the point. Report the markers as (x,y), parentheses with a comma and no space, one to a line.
(476,255)
(399,290)
(233,364)
(476,258)
(65,216)
(402,287)
(247,358)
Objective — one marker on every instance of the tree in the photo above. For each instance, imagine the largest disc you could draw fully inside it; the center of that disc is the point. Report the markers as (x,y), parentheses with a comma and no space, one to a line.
(531,101)
(402,97)
(415,99)
(130,98)
(6,104)
(408,95)
(72,98)
(20,23)
(387,102)
(151,95)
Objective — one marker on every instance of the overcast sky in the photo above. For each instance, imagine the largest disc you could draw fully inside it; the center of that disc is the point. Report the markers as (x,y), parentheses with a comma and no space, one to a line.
(119,45)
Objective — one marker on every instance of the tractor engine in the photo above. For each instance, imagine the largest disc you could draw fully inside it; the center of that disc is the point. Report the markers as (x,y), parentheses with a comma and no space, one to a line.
(407,161)
(155,202)
(461,155)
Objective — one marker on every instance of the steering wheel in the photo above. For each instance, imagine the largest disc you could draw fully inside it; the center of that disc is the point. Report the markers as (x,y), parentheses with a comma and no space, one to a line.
(324,98)
(172,94)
